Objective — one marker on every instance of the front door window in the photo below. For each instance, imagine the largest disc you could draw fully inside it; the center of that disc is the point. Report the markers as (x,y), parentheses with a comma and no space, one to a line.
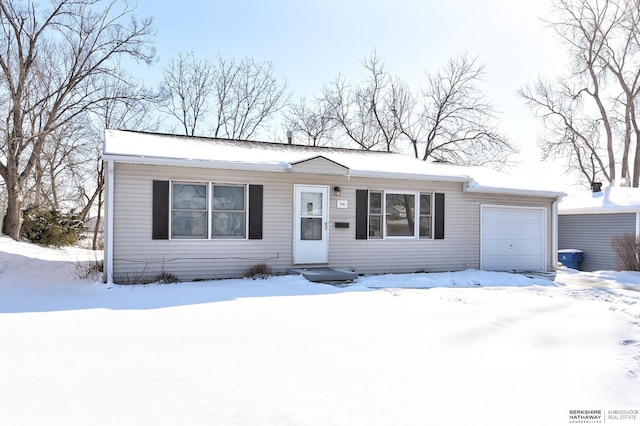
(311,216)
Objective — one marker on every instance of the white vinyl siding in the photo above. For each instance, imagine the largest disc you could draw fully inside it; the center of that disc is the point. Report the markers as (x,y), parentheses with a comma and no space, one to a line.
(136,254)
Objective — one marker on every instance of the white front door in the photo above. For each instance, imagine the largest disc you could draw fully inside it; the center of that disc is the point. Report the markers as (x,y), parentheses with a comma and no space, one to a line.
(310,224)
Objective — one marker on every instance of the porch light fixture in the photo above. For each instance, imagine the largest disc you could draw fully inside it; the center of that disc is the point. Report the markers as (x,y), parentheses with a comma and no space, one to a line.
(336,189)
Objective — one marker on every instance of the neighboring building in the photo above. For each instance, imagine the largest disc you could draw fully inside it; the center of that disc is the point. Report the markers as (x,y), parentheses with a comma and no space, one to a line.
(203,208)
(588,220)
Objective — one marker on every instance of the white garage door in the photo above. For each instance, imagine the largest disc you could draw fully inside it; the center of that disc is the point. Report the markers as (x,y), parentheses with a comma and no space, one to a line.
(513,238)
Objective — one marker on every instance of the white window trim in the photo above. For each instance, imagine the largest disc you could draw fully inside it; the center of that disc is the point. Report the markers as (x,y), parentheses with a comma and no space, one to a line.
(210,186)
(194,182)
(416,224)
(246,212)
(382,216)
(431,215)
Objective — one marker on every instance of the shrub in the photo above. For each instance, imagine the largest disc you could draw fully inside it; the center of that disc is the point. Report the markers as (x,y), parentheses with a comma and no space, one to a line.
(260,271)
(627,247)
(50,227)
(165,277)
(92,269)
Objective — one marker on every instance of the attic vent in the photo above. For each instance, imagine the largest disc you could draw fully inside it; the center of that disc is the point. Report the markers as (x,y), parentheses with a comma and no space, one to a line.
(596,187)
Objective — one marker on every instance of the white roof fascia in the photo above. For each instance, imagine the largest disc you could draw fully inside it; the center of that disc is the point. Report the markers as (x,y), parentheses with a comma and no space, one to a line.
(513,191)
(599,210)
(408,176)
(204,164)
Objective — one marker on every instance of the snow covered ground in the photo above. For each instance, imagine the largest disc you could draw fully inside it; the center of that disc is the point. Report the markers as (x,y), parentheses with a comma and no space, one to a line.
(464,348)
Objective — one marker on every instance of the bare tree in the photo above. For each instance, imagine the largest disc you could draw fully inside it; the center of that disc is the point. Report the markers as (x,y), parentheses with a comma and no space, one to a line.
(188,82)
(453,121)
(128,105)
(246,96)
(450,120)
(51,60)
(234,99)
(58,170)
(312,119)
(363,112)
(590,113)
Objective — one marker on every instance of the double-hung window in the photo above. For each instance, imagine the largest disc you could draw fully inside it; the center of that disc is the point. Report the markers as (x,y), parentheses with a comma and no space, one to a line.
(375,214)
(426,218)
(228,212)
(189,213)
(204,210)
(399,214)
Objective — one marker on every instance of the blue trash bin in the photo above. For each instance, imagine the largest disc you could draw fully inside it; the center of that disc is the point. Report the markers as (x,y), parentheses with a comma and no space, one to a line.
(570,257)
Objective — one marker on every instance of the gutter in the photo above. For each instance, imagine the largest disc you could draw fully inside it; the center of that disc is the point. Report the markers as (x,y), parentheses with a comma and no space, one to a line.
(468,187)
(600,210)
(409,176)
(205,164)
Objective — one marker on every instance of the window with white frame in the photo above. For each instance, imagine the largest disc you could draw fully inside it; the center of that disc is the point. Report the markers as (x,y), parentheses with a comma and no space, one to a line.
(400,214)
(189,210)
(194,216)
(426,221)
(228,212)
(375,214)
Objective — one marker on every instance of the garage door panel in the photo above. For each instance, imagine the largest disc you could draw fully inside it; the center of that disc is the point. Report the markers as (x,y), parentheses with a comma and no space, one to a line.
(513,238)
(513,215)
(516,263)
(521,231)
(510,248)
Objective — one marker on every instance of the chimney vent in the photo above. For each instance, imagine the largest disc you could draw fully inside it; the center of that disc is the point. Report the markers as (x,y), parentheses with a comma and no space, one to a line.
(596,187)
(289,137)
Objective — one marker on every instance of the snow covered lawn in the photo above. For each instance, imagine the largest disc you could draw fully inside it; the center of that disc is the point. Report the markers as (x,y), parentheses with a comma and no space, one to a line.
(466,348)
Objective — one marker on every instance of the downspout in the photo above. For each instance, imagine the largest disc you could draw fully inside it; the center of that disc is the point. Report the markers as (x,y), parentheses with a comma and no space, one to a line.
(108,243)
(554,234)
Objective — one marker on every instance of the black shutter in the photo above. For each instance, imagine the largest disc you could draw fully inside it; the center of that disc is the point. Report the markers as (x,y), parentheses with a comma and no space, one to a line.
(160,216)
(438,233)
(255,212)
(362,213)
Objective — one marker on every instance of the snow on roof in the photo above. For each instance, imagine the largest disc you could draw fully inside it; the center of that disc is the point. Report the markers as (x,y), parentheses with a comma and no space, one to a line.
(154,148)
(612,199)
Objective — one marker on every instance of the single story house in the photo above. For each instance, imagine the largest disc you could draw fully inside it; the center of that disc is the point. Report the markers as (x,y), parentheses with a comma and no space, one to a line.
(204,208)
(588,220)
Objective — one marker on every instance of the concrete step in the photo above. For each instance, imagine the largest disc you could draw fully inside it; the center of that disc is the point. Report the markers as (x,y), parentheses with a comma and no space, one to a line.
(325,275)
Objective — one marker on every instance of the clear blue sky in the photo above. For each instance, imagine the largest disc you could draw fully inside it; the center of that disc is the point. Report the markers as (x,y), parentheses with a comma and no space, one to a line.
(310,43)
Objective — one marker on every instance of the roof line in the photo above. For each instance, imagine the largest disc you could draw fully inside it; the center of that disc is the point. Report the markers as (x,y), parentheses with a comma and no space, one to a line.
(257,142)
(513,191)
(318,157)
(194,162)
